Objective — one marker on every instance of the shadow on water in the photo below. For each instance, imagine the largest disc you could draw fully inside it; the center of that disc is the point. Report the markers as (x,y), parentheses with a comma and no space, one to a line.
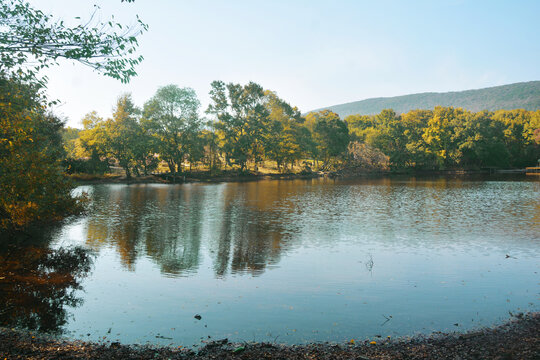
(39,284)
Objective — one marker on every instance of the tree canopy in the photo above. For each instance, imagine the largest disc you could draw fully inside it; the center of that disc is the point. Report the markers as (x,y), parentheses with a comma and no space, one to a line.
(172,120)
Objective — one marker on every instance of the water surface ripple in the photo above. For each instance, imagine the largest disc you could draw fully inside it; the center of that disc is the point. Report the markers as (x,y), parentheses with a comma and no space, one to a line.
(304,260)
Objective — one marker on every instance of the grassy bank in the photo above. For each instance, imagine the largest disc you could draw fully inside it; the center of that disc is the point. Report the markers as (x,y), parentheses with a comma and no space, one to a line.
(225,176)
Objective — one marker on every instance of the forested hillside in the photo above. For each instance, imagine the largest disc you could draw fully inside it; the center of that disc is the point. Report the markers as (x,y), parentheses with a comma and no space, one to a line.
(525,95)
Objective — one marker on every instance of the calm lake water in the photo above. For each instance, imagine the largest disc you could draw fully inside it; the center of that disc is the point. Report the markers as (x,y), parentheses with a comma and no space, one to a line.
(298,261)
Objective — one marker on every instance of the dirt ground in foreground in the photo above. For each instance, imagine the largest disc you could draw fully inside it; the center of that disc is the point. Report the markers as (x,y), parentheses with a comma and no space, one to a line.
(516,339)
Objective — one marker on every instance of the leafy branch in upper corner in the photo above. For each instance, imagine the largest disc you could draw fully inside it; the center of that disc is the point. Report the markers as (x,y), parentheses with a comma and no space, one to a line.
(31,40)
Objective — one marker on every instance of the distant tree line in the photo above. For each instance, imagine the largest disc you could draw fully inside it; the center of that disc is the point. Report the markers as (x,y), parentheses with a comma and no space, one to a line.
(452,138)
(247,126)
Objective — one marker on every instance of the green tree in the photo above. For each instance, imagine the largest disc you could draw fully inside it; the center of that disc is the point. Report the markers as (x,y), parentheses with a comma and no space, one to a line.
(69,138)
(194,144)
(241,119)
(533,127)
(122,134)
(439,135)
(210,141)
(91,146)
(415,123)
(519,135)
(33,187)
(285,139)
(331,136)
(171,117)
(391,138)
(358,124)
(143,150)
(447,137)
(480,141)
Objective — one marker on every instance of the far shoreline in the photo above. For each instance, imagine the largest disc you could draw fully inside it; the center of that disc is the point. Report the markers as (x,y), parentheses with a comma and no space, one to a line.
(233,177)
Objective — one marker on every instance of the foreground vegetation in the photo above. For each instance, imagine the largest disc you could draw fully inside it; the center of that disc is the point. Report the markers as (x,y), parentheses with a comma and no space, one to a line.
(33,185)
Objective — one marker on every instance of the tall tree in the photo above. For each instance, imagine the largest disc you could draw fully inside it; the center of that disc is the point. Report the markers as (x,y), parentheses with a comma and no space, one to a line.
(171,117)
(122,133)
(286,140)
(69,138)
(416,150)
(519,135)
(481,141)
(391,137)
(439,135)
(32,185)
(241,119)
(331,135)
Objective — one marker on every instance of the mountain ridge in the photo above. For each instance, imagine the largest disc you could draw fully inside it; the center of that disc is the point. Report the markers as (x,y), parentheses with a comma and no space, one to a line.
(521,95)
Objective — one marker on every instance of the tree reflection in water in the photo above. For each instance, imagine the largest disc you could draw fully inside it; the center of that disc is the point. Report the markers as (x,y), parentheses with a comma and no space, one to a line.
(38,284)
(247,228)
(170,225)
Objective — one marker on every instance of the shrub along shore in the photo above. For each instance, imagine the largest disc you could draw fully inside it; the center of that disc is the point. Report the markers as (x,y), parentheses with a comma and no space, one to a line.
(519,338)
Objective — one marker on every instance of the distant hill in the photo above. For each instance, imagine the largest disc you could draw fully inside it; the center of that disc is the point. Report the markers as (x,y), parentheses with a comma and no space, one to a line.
(524,95)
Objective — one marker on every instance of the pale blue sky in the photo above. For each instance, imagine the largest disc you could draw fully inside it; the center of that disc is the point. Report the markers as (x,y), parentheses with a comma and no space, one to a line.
(312,53)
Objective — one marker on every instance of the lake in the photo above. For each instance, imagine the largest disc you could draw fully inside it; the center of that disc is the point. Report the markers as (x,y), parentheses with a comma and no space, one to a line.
(298,261)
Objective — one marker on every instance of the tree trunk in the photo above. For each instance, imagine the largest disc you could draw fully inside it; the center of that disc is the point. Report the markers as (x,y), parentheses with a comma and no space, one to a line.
(171,167)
